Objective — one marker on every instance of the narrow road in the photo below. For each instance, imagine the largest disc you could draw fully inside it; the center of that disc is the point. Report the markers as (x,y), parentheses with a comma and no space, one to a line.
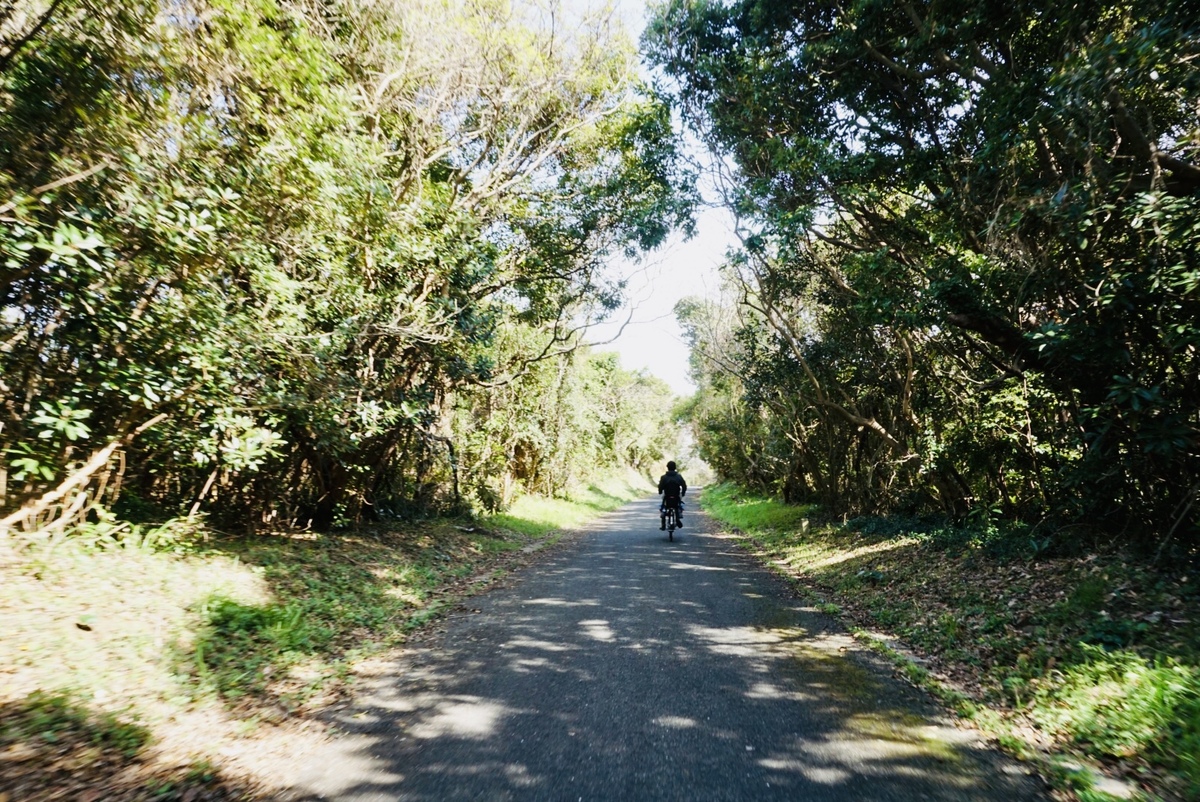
(627,667)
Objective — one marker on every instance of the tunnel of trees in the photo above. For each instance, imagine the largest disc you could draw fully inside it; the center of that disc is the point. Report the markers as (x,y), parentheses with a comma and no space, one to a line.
(313,261)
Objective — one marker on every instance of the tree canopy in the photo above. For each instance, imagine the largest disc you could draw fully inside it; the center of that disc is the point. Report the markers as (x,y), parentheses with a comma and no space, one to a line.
(968,269)
(288,261)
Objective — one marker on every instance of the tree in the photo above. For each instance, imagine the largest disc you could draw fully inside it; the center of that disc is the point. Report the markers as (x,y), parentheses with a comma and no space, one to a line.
(253,252)
(982,216)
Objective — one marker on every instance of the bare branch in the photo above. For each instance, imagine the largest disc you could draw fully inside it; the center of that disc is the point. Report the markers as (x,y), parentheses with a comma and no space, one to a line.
(61,182)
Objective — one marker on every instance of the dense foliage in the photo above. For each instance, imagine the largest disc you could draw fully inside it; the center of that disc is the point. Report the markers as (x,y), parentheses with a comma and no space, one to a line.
(968,275)
(303,261)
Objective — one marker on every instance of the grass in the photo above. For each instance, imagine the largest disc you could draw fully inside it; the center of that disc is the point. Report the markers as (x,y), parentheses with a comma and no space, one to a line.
(539,515)
(1120,704)
(53,717)
(1092,656)
(56,745)
(167,649)
(330,601)
(751,512)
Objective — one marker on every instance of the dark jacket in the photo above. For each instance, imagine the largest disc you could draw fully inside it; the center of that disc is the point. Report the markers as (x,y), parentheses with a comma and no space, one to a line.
(672,486)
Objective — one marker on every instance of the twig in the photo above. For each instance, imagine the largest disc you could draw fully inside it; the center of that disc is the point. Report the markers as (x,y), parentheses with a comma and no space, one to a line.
(70,179)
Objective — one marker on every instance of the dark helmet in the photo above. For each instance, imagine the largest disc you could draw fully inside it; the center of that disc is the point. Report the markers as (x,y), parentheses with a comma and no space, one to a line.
(671,465)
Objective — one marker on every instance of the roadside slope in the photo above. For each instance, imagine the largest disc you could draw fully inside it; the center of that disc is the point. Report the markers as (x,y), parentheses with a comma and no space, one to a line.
(1065,660)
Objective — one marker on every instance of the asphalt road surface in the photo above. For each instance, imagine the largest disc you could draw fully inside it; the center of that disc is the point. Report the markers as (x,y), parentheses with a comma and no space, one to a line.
(624,666)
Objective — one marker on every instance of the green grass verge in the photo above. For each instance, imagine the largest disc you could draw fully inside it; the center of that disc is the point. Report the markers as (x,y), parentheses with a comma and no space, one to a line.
(1096,655)
(538,515)
(748,512)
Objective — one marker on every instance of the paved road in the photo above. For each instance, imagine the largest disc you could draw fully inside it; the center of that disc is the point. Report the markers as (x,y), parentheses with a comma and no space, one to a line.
(626,667)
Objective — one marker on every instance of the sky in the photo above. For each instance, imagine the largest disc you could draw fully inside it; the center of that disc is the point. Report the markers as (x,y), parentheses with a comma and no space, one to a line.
(644,332)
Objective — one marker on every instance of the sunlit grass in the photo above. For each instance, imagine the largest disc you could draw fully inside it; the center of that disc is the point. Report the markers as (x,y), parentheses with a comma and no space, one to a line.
(538,516)
(736,508)
(1117,704)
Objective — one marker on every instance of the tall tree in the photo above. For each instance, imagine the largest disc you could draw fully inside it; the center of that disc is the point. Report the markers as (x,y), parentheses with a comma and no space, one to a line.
(969,230)
(252,251)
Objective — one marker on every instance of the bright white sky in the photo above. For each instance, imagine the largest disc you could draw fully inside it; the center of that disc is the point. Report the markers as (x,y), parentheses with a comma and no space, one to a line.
(652,339)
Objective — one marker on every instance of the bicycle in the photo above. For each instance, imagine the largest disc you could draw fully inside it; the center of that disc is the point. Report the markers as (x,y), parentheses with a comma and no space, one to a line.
(672,515)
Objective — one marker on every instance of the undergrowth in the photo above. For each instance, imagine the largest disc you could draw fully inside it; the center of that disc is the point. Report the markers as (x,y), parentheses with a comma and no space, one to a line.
(1095,654)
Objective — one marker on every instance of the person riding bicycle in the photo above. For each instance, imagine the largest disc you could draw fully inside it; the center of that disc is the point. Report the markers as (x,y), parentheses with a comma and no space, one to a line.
(672,488)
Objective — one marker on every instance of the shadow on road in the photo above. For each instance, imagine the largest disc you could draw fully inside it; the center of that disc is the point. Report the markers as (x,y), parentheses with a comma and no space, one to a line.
(627,667)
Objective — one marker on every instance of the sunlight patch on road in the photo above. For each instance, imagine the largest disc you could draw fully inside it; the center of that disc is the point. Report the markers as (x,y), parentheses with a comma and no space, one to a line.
(834,644)
(676,722)
(533,643)
(822,775)
(883,744)
(695,567)
(528,665)
(556,602)
(769,690)
(518,774)
(909,728)
(736,641)
(597,629)
(648,644)
(467,717)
